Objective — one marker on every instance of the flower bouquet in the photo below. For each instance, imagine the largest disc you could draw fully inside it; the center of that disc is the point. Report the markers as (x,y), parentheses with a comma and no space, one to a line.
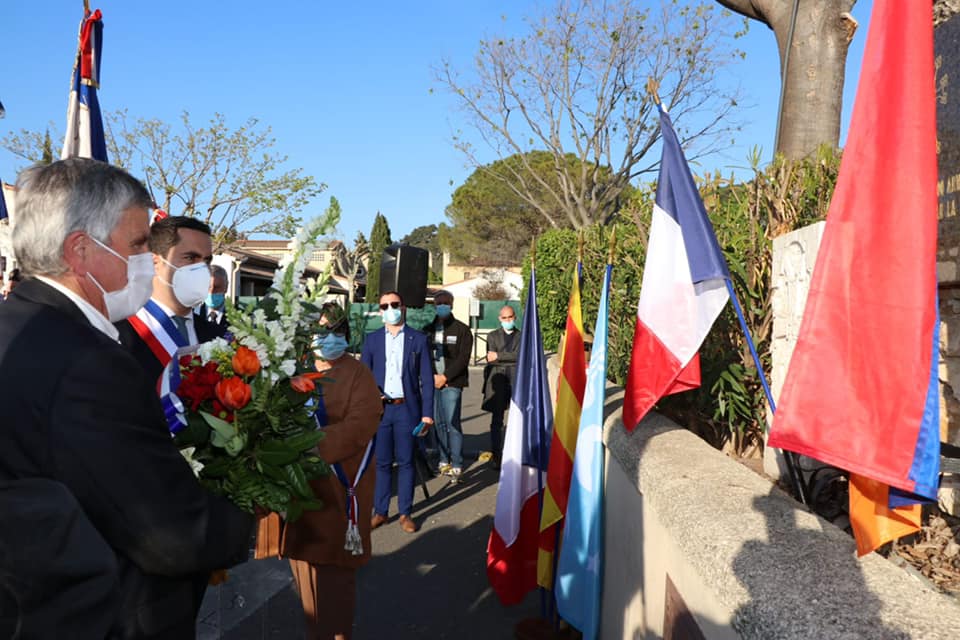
(250,433)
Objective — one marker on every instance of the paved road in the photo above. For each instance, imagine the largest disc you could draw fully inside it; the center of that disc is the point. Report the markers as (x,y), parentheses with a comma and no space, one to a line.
(431,584)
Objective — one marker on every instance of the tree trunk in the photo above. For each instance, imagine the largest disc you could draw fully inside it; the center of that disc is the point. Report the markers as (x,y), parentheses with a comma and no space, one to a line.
(813,82)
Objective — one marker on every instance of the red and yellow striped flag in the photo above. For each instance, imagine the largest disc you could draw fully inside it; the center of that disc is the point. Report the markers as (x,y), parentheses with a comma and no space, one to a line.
(566,425)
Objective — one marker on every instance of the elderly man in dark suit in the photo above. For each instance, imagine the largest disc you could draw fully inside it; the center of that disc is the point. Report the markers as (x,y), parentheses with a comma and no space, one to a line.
(399,357)
(78,409)
(62,581)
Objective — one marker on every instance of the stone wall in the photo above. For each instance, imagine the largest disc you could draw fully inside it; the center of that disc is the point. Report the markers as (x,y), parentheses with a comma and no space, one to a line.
(947,52)
(699,546)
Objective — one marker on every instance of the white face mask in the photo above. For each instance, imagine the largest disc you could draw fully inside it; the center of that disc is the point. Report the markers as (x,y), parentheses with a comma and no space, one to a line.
(191,283)
(123,303)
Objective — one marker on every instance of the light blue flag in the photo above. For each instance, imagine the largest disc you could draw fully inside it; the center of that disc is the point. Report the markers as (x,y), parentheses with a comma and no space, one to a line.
(580,568)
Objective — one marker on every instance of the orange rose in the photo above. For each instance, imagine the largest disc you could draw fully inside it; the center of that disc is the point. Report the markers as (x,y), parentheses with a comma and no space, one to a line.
(233,393)
(302,384)
(245,362)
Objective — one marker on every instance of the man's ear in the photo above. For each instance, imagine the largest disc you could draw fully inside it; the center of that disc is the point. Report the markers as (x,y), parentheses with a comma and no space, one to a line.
(77,252)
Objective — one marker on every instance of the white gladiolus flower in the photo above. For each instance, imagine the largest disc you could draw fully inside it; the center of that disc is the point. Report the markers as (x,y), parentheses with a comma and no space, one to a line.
(195,465)
(209,350)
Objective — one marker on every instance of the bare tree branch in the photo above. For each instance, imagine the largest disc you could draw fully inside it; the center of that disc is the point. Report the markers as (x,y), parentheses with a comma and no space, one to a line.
(573,86)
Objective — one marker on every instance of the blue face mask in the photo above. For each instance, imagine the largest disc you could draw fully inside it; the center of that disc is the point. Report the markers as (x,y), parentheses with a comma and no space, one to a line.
(215,300)
(507,325)
(330,347)
(392,316)
(443,310)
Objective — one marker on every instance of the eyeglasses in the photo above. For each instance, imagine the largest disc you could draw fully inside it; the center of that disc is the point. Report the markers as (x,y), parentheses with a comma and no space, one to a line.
(505,318)
(392,305)
(338,330)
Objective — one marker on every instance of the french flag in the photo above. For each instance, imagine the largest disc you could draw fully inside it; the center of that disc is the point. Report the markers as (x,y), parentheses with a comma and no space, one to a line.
(514,542)
(84,137)
(684,287)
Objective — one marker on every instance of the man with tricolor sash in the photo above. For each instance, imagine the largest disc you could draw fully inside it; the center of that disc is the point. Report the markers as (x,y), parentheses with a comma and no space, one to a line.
(166,326)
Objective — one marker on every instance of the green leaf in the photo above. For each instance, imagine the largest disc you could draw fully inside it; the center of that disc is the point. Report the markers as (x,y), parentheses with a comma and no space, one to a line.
(304,441)
(298,481)
(219,426)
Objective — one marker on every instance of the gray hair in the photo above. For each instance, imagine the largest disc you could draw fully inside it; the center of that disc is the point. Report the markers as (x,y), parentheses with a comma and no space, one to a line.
(77,194)
(218,272)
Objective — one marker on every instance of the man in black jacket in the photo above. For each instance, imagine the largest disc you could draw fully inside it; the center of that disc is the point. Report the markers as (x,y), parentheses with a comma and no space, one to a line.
(451,344)
(79,410)
(503,346)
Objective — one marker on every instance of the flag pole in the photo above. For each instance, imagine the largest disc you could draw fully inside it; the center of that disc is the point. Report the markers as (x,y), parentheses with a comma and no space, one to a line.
(789,457)
(543,592)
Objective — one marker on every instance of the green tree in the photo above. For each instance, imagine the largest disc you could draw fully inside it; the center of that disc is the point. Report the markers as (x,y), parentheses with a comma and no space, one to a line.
(427,237)
(379,240)
(574,83)
(47,156)
(491,223)
(230,178)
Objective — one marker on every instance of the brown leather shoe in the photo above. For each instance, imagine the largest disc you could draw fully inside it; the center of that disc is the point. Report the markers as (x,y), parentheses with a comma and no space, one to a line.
(408,525)
(377,520)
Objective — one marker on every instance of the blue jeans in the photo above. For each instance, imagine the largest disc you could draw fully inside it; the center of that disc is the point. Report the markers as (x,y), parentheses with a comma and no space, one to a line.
(446,414)
(395,441)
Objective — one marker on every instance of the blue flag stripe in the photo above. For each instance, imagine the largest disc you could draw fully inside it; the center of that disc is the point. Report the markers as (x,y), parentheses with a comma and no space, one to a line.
(678,196)
(531,393)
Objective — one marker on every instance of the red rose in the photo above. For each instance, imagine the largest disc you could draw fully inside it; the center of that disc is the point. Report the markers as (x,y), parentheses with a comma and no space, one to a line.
(207,375)
(302,384)
(245,362)
(197,384)
(233,393)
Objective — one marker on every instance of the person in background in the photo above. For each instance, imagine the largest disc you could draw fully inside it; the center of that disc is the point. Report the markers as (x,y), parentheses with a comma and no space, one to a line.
(12,281)
(81,240)
(349,413)
(503,346)
(400,360)
(214,306)
(451,344)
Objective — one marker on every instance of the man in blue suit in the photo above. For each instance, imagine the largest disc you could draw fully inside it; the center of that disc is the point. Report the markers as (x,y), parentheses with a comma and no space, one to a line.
(400,360)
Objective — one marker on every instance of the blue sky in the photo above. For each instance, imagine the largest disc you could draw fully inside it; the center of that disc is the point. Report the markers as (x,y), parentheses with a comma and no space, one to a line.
(344,86)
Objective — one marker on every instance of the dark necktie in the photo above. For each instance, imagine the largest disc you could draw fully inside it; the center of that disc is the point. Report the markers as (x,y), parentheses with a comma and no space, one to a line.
(182,325)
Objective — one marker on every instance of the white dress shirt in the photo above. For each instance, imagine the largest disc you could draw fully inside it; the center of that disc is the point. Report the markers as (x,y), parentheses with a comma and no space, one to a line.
(392,372)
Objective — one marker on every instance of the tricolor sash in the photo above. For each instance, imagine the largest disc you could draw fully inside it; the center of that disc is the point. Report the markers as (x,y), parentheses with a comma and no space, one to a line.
(353,542)
(165,341)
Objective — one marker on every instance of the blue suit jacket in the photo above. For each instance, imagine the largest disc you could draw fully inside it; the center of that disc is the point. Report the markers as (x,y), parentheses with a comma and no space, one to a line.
(417,374)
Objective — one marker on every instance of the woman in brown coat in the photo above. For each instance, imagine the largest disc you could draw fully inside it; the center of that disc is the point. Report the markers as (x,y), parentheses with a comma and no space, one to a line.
(324,570)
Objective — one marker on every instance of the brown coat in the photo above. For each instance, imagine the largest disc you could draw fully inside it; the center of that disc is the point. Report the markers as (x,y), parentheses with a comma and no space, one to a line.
(353,406)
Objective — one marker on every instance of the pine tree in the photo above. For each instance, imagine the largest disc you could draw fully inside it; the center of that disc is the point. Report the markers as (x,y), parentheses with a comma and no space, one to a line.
(47,149)
(379,240)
